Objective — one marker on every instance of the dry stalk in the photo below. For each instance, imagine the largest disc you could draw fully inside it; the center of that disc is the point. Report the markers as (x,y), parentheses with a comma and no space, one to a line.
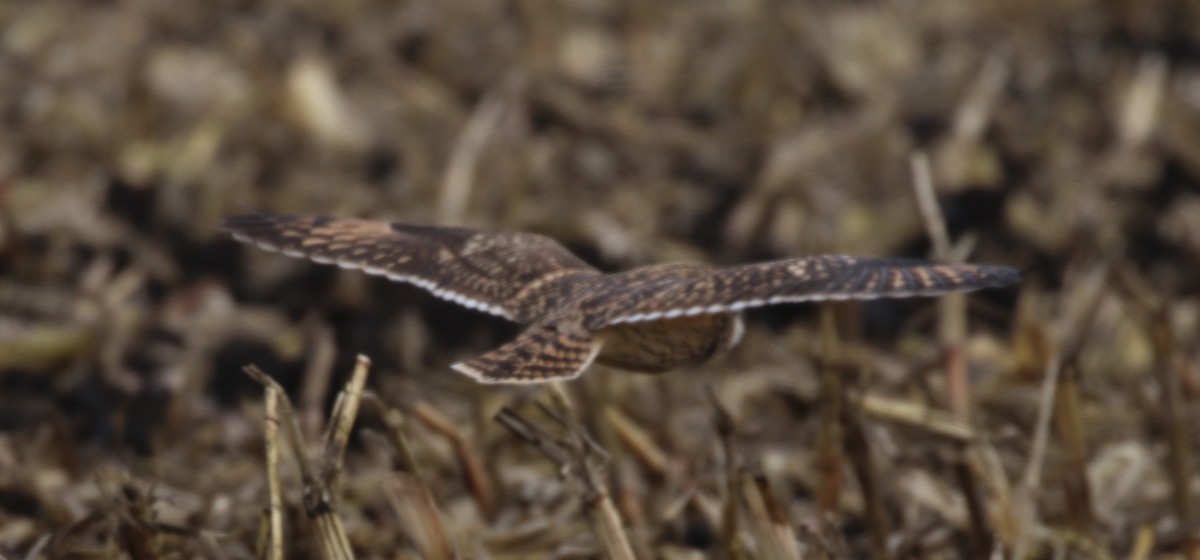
(61,541)
(1025,501)
(917,415)
(1143,101)
(1076,322)
(858,451)
(668,400)
(1179,427)
(1170,371)
(639,442)
(419,515)
(574,456)
(605,519)
(768,520)
(460,172)
(985,461)
(981,536)
(972,116)
(1068,419)
(394,420)
(319,503)
(274,528)
(317,374)
(128,517)
(36,550)
(337,433)
(535,437)
(952,307)
(935,224)
(955,157)
(409,492)
(952,323)
(829,438)
(262,539)
(475,474)
(135,531)
(331,536)
(330,531)
(287,418)
(630,491)
(859,356)
(1143,546)
(723,422)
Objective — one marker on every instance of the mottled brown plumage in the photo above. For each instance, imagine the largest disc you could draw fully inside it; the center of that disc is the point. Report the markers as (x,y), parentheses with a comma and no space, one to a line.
(650,319)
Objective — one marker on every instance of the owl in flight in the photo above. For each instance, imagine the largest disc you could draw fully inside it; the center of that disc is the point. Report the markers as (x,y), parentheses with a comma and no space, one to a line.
(650,319)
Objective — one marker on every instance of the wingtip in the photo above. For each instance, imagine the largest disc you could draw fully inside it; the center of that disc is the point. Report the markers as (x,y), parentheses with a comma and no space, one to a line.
(1003,276)
(246,216)
(1015,276)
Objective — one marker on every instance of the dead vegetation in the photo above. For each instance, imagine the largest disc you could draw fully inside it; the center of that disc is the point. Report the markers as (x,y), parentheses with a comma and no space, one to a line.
(1056,420)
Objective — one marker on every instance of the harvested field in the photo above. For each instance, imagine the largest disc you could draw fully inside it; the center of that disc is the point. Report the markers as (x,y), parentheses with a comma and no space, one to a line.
(1055,419)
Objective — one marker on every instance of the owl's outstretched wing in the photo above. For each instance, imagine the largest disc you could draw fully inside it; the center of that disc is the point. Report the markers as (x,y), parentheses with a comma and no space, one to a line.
(815,278)
(514,275)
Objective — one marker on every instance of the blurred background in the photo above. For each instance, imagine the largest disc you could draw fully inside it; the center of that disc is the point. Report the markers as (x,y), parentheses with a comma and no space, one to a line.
(1061,137)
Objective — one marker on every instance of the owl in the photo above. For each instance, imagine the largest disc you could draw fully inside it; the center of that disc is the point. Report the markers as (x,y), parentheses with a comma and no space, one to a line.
(650,319)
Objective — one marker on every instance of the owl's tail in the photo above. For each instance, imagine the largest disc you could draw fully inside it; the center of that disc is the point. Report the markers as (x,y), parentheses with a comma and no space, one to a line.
(541,354)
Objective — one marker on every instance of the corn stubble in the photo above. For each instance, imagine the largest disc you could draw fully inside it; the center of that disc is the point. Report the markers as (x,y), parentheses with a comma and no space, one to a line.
(1056,420)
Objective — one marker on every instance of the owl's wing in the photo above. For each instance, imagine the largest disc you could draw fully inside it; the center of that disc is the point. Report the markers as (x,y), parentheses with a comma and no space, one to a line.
(815,278)
(514,275)
(542,354)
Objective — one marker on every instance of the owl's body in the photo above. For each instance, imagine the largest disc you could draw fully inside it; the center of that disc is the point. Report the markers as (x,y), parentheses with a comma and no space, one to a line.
(655,346)
(650,319)
(661,346)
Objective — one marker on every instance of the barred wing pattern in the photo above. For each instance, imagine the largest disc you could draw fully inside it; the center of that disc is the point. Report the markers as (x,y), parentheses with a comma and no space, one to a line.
(816,278)
(518,276)
(541,354)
